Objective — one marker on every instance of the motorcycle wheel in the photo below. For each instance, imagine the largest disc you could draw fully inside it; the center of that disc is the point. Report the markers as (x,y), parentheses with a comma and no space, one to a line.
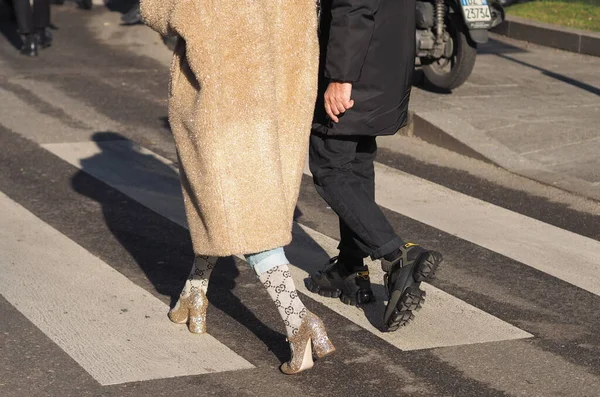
(450,73)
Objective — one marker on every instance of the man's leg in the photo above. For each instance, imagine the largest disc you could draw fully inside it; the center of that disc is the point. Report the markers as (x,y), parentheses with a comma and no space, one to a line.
(344,176)
(41,22)
(41,14)
(350,194)
(351,257)
(364,171)
(351,254)
(24,16)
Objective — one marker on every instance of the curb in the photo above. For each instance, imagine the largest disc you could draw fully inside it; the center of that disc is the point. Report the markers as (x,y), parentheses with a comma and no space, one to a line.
(420,127)
(573,40)
(453,134)
(423,129)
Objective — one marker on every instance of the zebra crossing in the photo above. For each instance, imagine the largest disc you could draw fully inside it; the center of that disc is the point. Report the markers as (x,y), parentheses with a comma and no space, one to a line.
(93,246)
(136,342)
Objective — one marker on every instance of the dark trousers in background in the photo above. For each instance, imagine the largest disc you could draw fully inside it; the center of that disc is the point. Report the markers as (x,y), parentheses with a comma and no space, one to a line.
(344,175)
(32,19)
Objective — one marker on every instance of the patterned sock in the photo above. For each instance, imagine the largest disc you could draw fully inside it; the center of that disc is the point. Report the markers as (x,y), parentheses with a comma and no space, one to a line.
(199,275)
(280,285)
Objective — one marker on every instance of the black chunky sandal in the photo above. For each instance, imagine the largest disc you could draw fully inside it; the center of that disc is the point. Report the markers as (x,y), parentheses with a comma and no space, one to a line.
(353,288)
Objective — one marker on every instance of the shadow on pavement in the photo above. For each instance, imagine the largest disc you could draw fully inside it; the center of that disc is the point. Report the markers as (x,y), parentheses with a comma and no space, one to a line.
(498,47)
(576,83)
(419,81)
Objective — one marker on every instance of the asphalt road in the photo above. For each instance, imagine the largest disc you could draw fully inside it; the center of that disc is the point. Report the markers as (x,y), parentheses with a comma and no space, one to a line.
(94,247)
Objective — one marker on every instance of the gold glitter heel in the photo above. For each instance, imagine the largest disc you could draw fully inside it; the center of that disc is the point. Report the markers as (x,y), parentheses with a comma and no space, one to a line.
(311,334)
(321,344)
(191,309)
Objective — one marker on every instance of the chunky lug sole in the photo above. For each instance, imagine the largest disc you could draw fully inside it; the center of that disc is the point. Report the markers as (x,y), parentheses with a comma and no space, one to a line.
(427,267)
(348,297)
(404,301)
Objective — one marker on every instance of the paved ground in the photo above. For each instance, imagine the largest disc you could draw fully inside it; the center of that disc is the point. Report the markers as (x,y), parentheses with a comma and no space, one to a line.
(530,109)
(93,250)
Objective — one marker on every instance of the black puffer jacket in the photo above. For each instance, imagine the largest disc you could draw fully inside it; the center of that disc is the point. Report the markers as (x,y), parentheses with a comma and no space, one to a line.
(370,43)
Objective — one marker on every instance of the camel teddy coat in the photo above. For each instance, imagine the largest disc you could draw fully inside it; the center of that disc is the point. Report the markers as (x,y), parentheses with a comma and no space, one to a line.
(241,99)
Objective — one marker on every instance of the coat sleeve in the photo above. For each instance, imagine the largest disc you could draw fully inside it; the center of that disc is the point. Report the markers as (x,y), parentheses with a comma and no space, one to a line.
(352,25)
(157,15)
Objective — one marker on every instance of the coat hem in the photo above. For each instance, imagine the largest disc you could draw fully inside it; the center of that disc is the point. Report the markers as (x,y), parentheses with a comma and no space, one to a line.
(246,250)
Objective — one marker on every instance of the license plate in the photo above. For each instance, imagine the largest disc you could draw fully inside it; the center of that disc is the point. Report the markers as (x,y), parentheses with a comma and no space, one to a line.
(477,13)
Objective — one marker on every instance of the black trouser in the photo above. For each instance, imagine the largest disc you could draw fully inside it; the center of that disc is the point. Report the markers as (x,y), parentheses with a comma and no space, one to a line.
(344,176)
(30,21)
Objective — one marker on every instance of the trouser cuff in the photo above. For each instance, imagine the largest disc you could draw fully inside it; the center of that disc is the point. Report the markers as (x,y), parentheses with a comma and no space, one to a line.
(387,248)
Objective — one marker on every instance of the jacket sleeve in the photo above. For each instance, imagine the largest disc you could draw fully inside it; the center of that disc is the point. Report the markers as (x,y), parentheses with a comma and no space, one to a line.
(352,25)
(157,15)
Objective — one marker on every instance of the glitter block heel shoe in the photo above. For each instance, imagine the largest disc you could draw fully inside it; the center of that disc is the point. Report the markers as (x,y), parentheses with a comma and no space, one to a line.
(311,338)
(191,310)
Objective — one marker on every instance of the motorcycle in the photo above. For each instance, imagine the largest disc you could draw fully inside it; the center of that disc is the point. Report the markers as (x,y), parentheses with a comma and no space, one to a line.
(448,32)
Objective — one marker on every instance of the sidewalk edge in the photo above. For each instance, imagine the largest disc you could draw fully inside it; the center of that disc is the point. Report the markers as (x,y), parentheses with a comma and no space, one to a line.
(573,40)
(450,133)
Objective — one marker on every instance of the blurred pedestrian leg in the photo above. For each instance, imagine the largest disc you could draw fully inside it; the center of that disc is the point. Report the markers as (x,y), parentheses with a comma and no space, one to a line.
(85,4)
(33,23)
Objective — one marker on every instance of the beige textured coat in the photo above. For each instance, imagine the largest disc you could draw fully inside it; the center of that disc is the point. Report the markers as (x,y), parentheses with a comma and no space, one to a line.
(243,88)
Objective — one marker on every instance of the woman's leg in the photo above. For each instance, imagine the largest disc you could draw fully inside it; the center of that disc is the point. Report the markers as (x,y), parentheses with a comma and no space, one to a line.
(192,304)
(199,275)
(273,271)
(306,332)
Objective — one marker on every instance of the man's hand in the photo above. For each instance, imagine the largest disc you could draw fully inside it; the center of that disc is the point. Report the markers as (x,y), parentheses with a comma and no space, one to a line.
(337,99)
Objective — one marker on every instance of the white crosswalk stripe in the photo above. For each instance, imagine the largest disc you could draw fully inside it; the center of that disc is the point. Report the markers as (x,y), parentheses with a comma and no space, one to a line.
(114,329)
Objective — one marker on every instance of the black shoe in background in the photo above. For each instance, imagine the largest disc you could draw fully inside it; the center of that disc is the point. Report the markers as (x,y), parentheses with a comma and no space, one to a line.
(85,4)
(133,16)
(30,45)
(170,42)
(350,283)
(45,38)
